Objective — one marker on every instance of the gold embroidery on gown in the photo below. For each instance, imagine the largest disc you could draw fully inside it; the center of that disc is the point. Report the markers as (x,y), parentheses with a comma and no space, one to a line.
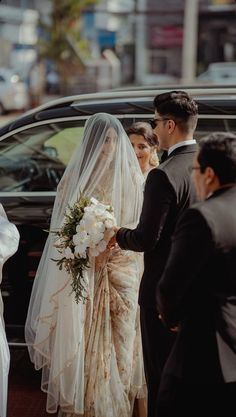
(113,355)
(113,361)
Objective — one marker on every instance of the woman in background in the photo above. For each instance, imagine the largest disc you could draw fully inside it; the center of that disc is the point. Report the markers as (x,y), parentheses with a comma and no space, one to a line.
(145,144)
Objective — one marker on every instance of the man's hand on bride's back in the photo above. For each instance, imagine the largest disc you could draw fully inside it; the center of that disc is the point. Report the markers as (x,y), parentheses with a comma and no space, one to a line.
(112,242)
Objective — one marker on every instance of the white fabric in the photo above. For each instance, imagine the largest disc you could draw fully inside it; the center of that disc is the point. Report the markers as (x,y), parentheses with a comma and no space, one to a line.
(9,240)
(179,144)
(90,354)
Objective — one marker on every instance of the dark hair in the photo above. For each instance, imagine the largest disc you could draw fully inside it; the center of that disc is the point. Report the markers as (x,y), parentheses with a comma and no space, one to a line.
(143,129)
(218,151)
(180,107)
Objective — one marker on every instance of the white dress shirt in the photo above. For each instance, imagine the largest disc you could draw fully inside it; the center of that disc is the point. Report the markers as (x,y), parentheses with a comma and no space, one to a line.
(183,143)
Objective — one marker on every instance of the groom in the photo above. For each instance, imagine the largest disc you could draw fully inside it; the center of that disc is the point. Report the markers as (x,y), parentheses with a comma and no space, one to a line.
(168,192)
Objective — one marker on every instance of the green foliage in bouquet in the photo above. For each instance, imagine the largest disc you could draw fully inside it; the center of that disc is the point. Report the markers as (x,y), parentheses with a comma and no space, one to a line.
(74,265)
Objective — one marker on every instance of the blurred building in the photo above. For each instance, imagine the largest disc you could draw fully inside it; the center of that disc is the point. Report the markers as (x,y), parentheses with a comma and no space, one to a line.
(167,42)
(155,42)
(19,32)
(217,33)
(130,41)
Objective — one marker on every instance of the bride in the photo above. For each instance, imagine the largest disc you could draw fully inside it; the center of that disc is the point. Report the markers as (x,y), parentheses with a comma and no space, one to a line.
(90,354)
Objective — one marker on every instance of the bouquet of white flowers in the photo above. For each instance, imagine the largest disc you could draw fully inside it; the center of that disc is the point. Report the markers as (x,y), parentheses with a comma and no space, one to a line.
(85,233)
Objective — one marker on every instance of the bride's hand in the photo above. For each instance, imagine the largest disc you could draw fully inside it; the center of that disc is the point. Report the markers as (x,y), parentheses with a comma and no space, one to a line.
(112,242)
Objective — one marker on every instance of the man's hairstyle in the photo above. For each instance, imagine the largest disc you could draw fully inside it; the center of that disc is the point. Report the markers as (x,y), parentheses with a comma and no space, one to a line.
(178,106)
(218,151)
(143,129)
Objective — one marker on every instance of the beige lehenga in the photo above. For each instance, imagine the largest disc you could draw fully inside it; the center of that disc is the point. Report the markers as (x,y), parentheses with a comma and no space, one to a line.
(113,363)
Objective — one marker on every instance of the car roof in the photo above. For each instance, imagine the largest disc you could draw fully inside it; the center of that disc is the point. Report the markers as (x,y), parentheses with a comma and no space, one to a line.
(213,100)
(7,71)
(222,64)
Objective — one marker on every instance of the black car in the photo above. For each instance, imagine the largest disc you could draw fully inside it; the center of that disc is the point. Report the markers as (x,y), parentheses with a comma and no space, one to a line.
(34,151)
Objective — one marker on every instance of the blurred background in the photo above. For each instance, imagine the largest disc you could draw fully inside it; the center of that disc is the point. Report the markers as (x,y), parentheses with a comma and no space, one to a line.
(63,47)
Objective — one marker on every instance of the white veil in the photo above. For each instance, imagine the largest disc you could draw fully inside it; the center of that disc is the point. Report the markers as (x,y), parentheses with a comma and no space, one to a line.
(103,166)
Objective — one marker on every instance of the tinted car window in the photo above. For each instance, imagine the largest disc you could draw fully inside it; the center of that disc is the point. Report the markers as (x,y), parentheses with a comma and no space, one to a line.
(34,159)
(210,124)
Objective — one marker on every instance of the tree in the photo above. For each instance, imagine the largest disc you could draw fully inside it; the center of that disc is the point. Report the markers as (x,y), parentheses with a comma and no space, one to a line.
(60,33)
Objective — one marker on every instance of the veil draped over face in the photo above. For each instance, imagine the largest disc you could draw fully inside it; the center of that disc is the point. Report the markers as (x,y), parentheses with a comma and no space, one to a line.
(103,166)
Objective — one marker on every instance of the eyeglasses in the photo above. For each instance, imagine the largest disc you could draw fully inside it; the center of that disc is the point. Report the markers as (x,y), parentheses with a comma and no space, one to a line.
(154,122)
(193,168)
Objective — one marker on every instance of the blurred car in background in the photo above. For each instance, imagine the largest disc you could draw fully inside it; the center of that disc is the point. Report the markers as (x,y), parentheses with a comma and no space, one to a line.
(34,151)
(219,73)
(13,92)
(160,79)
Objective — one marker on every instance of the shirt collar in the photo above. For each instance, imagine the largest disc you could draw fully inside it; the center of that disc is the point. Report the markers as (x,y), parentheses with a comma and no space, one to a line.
(183,143)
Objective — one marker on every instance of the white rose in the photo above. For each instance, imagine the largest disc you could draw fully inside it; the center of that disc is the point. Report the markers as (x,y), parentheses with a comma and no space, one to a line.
(100,226)
(80,237)
(99,210)
(80,249)
(89,220)
(96,236)
(110,223)
(94,201)
(68,253)
(95,231)
(110,215)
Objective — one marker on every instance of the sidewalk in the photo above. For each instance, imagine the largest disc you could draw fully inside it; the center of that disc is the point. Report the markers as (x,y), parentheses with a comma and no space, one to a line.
(25,399)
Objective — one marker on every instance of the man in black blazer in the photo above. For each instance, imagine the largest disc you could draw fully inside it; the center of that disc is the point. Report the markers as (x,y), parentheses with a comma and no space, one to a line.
(168,192)
(197,292)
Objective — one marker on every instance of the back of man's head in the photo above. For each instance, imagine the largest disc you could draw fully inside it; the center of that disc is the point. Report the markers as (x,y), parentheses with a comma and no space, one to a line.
(178,106)
(218,151)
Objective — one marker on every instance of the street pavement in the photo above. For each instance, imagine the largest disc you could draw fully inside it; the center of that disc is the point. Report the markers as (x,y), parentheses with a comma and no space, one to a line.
(25,398)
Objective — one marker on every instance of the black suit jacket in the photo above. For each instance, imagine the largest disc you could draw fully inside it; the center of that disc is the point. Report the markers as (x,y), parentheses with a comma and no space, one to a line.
(198,292)
(168,192)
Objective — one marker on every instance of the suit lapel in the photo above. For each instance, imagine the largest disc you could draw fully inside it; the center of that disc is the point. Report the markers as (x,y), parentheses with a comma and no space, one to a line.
(184,149)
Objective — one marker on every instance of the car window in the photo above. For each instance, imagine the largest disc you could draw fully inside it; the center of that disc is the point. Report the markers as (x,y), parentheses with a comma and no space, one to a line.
(219,124)
(64,142)
(34,159)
